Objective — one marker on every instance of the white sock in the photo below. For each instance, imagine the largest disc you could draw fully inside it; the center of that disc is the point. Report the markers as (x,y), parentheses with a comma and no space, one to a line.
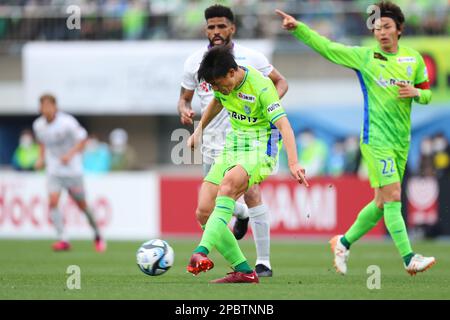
(240,210)
(260,223)
(58,221)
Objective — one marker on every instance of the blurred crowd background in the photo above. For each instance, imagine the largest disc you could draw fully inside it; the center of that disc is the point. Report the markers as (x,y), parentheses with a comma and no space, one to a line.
(180,19)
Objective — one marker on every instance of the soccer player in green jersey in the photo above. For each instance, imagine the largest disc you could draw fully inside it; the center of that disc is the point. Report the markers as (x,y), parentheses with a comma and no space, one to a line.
(258,123)
(391,77)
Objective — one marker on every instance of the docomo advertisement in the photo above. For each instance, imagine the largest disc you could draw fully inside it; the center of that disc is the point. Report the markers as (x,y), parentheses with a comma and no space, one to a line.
(112,77)
(126,206)
(326,208)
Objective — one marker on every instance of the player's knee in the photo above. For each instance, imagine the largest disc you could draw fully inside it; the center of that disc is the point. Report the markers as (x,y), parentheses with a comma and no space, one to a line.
(228,189)
(53,203)
(392,196)
(379,203)
(82,205)
(253,197)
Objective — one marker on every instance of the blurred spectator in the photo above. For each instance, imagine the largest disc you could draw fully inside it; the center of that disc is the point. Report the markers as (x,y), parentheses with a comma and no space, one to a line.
(112,13)
(26,153)
(96,156)
(441,162)
(352,155)
(336,161)
(134,20)
(426,165)
(441,159)
(312,153)
(123,156)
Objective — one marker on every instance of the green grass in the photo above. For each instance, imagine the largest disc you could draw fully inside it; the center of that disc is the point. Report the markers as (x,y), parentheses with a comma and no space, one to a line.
(302,270)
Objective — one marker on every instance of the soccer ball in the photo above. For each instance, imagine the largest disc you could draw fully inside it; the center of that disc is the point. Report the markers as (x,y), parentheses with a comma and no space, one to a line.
(154,257)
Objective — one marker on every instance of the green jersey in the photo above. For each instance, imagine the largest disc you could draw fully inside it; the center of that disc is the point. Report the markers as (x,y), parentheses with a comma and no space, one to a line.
(387,120)
(253,108)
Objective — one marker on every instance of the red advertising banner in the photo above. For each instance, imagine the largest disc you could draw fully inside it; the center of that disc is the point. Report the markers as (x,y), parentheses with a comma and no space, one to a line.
(328,207)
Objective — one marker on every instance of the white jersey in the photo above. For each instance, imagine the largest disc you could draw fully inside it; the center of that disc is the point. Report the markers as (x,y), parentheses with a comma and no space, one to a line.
(214,133)
(58,137)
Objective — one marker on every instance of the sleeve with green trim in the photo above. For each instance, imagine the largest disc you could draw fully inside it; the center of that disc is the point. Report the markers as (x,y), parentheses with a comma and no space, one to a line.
(351,57)
(422,82)
(270,102)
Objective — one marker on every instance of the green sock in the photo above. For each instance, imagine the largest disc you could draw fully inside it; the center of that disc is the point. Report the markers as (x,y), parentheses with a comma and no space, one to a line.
(243,267)
(408,258)
(345,242)
(228,247)
(366,220)
(217,223)
(396,227)
(201,249)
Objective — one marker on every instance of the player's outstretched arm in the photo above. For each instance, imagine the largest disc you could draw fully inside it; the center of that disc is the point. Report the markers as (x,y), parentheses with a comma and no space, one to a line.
(211,112)
(351,57)
(295,168)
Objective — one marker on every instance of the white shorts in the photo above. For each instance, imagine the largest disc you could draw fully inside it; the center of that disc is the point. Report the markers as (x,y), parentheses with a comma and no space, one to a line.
(73,185)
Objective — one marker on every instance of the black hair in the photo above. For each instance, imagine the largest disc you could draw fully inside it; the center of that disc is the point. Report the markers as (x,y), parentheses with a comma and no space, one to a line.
(216,63)
(219,11)
(393,11)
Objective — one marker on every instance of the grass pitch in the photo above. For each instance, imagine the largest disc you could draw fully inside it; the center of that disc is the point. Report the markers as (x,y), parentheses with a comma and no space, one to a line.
(302,270)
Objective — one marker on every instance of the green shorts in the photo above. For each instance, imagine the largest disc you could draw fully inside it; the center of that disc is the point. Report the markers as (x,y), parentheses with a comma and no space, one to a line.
(386,166)
(256,163)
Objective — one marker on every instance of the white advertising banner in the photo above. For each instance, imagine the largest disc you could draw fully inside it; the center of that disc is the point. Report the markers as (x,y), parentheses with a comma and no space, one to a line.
(126,206)
(112,77)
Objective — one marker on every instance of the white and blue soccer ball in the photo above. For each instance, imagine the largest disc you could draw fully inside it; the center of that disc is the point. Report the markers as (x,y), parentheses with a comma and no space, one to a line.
(155,257)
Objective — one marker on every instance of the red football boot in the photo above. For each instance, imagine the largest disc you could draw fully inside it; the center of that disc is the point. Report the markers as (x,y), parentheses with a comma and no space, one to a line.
(61,246)
(199,262)
(238,277)
(100,244)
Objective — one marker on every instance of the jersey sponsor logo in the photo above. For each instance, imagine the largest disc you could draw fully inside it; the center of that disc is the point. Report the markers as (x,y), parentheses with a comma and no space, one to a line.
(409,71)
(246,97)
(379,56)
(273,107)
(382,82)
(241,117)
(205,87)
(406,60)
(393,82)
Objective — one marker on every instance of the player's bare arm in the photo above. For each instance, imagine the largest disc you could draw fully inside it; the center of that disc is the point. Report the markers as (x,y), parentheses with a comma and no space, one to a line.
(297,171)
(212,110)
(279,81)
(40,162)
(184,106)
(78,148)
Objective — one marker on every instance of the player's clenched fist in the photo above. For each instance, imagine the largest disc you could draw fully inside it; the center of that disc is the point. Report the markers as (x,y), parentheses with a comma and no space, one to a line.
(289,22)
(186,116)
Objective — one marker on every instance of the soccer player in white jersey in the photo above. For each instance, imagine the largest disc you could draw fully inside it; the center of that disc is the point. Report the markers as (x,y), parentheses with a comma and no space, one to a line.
(220,29)
(62,140)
